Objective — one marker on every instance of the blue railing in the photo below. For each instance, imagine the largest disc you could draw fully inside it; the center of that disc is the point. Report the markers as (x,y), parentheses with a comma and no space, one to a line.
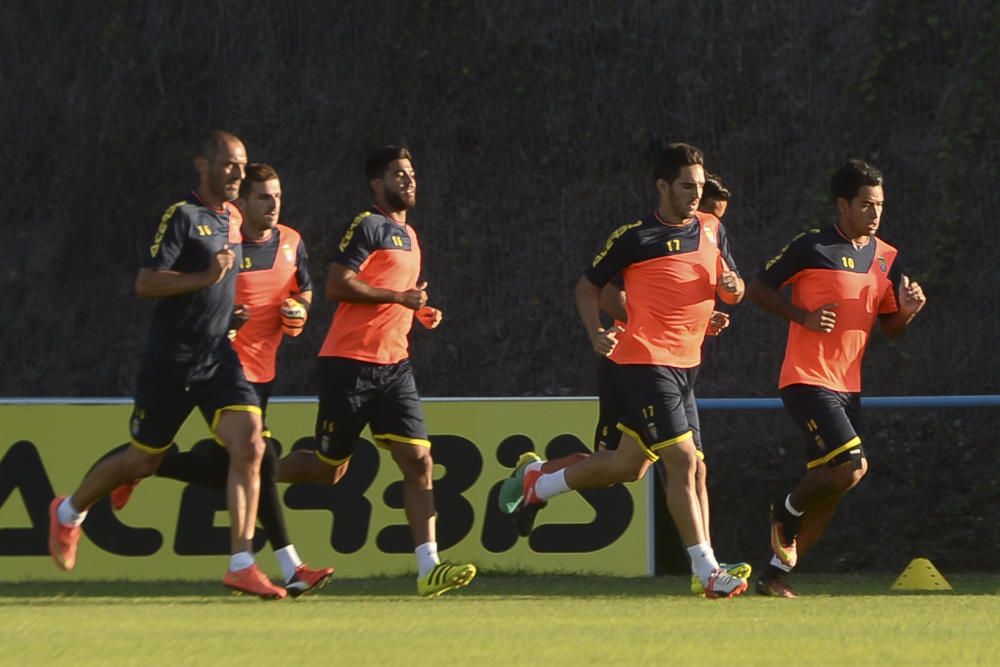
(969,401)
(966,401)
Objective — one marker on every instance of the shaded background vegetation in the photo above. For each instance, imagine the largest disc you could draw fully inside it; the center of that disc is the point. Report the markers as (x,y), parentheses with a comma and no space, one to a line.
(533,126)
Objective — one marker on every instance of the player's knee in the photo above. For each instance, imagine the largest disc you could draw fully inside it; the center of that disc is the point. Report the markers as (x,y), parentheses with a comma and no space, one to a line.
(633,470)
(847,474)
(304,466)
(416,465)
(257,449)
(141,463)
(681,464)
(241,434)
(146,467)
(685,460)
(701,475)
(246,452)
(635,474)
(336,473)
(858,472)
(424,471)
(629,463)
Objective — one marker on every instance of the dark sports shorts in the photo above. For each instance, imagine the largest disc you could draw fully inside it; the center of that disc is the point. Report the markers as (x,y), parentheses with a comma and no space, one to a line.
(164,398)
(263,391)
(611,405)
(830,421)
(354,394)
(660,408)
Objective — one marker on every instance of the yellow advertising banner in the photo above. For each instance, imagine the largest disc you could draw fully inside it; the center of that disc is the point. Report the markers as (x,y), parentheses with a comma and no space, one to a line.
(173,530)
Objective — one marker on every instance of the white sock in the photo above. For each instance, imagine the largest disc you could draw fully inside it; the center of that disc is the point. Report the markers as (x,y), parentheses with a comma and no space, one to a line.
(775,561)
(288,559)
(551,484)
(240,560)
(702,560)
(534,465)
(427,557)
(791,510)
(68,515)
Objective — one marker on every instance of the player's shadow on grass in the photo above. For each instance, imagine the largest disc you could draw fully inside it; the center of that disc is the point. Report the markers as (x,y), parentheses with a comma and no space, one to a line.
(487,584)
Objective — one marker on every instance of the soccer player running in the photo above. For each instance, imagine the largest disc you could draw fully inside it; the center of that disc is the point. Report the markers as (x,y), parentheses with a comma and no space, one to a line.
(611,395)
(364,370)
(674,262)
(842,278)
(273,290)
(188,362)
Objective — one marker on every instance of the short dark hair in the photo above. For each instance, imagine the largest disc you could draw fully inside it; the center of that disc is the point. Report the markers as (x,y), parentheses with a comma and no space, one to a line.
(715,188)
(675,157)
(380,158)
(214,143)
(256,172)
(851,177)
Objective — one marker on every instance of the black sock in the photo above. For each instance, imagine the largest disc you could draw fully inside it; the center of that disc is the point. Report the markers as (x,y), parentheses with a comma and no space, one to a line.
(206,464)
(269,511)
(789,522)
(773,573)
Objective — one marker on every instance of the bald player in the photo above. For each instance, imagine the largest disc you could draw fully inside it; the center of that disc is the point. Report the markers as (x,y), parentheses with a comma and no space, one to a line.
(189,362)
(273,293)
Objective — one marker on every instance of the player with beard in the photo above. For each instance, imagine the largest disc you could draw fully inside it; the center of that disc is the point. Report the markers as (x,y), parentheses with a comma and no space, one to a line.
(674,262)
(364,370)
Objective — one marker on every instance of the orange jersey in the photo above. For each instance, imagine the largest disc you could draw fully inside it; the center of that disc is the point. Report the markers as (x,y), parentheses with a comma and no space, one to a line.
(384,254)
(670,274)
(271,271)
(823,267)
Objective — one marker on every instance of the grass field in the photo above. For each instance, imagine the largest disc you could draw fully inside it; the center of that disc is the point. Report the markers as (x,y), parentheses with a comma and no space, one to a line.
(501,619)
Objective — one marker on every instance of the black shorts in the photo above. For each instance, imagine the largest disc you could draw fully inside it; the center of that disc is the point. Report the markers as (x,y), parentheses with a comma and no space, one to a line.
(263,391)
(830,421)
(164,398)
(611,405)
(660,406)
(354,394)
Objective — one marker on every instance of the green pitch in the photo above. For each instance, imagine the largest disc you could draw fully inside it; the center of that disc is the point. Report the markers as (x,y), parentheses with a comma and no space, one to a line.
(507,619)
